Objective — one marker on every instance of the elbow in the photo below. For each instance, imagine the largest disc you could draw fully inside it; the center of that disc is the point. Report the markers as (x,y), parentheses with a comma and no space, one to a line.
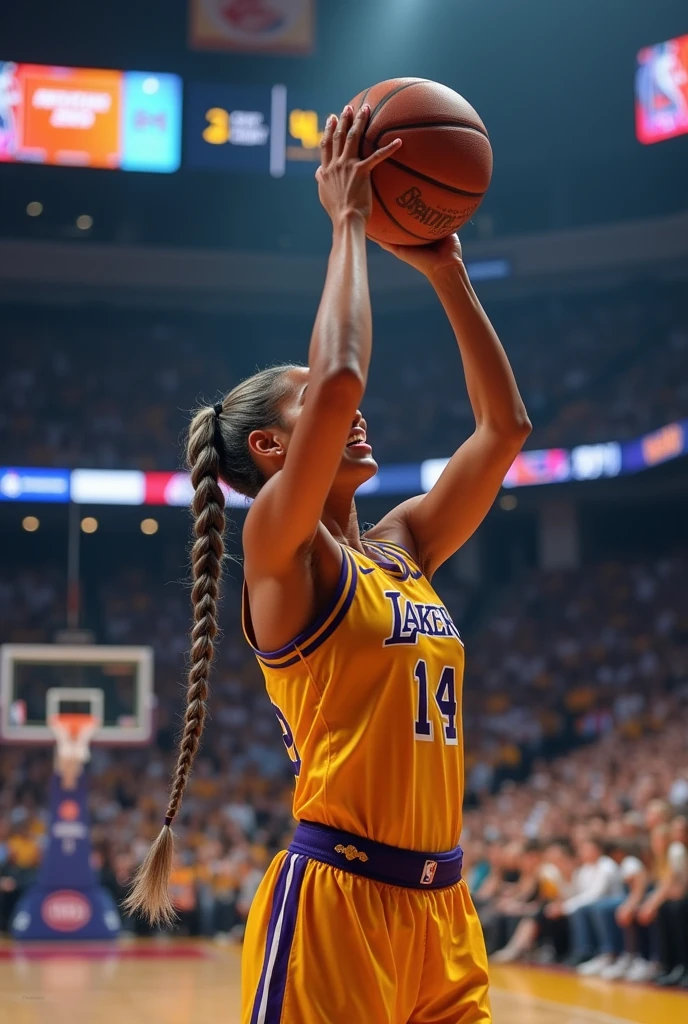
(522,427)
(513,430)
(342,384)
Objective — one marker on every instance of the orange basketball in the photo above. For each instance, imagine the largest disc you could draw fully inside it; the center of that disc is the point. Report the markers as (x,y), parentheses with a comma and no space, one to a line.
(438,178)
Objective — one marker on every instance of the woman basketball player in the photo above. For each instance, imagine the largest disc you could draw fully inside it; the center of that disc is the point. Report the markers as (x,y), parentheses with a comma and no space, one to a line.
(365,918)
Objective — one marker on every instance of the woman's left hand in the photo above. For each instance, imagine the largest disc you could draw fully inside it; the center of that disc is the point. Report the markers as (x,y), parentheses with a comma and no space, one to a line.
(429,258)
(647,913)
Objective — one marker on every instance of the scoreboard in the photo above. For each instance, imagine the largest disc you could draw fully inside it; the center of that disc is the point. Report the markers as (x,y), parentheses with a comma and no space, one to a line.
(132,121)
(264,129)
(228,127)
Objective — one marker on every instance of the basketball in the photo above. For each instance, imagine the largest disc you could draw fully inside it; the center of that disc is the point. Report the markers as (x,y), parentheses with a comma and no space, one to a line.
(439,177)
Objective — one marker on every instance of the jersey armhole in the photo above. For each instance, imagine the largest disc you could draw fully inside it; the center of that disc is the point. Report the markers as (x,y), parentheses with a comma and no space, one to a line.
(314,635)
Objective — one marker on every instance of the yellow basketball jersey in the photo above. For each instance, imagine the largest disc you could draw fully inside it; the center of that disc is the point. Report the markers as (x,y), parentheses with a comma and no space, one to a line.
(369,701)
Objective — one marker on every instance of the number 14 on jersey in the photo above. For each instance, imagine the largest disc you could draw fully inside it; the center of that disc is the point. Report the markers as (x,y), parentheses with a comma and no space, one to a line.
(445,699)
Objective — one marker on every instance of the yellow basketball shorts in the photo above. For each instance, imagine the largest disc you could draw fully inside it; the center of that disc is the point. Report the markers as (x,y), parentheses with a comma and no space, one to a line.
(332,945)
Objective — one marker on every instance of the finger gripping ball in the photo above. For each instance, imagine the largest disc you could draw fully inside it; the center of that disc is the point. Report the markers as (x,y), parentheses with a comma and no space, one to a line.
(437,179)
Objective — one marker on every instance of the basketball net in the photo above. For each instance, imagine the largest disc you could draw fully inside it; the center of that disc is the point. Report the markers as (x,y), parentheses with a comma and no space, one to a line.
(73,734)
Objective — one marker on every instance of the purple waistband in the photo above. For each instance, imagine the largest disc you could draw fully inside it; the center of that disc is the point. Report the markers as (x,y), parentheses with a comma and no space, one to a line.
(377,861)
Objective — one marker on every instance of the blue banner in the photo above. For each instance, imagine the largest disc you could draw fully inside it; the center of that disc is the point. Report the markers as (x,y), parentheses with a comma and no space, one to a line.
(34,484)
(151,122)
(400,478)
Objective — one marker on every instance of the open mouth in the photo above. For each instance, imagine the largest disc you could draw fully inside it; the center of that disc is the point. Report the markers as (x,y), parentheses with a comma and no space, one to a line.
(357,440)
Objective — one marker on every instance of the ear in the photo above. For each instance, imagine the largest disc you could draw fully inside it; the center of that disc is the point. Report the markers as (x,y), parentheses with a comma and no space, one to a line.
(266,442)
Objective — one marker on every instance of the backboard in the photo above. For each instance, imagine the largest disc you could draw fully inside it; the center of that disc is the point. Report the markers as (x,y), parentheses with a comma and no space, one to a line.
(123,675)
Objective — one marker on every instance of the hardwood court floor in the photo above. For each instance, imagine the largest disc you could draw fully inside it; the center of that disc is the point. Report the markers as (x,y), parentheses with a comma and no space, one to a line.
(185,983)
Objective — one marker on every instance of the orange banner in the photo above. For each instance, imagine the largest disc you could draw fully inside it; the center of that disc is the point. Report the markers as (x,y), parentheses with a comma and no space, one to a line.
(252,26)
(72,115)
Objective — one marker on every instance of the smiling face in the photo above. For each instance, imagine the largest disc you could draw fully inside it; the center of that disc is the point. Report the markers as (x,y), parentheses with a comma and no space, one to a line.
(269,446)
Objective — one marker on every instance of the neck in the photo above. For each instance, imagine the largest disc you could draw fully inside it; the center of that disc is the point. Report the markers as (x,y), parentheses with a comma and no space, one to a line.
(340,518)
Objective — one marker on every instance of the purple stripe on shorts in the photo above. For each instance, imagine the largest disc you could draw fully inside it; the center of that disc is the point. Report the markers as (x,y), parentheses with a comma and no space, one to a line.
(277,901)
(267,1006)
(281,965)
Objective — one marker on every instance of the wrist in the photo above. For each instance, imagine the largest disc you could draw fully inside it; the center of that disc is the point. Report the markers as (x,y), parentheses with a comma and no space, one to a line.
(447,274)
(349,218)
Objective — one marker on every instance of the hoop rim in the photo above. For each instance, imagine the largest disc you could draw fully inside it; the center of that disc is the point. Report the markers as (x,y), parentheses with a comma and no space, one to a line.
(75,721)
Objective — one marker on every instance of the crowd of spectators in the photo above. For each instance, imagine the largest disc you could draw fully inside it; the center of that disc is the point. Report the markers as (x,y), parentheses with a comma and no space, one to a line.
(592,367)
(562,854)
(567,656)
(586,862)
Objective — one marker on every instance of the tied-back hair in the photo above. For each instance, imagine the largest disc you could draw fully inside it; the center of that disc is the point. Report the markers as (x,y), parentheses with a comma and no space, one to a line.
(217,449)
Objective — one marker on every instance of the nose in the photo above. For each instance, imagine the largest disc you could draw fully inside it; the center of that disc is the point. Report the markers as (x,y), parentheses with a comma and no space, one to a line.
(358,420)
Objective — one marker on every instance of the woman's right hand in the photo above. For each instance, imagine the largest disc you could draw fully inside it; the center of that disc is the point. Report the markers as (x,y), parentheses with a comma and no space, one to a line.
(343,178)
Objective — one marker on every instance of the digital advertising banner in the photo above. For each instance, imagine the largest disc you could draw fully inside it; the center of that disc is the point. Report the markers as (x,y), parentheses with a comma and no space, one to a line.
(661,91)
(86,117)
(602,460)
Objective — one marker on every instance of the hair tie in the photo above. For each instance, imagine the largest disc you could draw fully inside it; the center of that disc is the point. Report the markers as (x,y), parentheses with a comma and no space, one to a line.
(217,409)
(168,820)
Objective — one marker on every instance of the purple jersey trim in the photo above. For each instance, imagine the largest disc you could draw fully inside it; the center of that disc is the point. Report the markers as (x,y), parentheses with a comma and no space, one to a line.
(398,547)
(402,568)
(267,1005)
(347,559)
(340,614)
(410,869)
(305,634)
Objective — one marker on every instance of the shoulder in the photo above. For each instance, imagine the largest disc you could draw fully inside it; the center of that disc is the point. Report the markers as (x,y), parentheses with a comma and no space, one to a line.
(630,866)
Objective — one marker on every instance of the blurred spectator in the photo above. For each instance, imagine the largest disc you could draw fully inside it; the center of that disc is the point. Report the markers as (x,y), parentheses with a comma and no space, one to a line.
(597,888)
(591,367)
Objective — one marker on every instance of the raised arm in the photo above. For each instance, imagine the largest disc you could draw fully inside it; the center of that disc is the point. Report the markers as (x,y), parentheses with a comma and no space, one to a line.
(435,525)
(286,513)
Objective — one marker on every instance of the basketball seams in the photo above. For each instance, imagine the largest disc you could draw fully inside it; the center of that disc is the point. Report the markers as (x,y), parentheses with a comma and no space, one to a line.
(385,99)
(363,99)
(450,122)
(433,181)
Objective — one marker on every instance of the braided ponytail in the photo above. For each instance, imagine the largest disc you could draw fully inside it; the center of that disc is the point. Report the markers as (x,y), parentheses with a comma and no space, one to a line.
(149,894)
(218,446)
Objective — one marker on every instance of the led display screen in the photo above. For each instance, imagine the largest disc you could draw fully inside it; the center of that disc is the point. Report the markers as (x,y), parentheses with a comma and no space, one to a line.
(85,117)
(661,91)
(228,127)
(253,128)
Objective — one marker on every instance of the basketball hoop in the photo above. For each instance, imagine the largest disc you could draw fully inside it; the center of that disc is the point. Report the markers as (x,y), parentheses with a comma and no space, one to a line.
(73,732)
